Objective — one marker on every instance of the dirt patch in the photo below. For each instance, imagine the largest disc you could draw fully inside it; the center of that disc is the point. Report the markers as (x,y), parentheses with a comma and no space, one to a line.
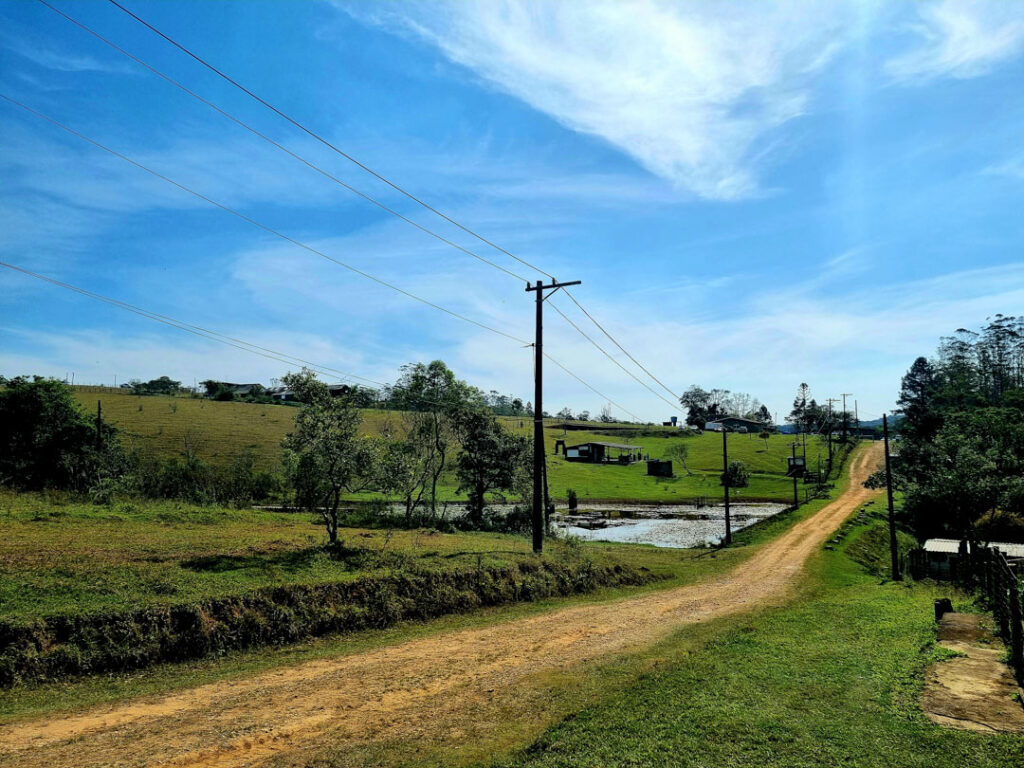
(975,691)
(434,684)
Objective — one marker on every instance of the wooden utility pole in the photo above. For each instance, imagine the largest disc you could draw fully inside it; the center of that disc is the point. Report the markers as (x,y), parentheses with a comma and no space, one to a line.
(725,482)
(828,426)
(796,492)
(844,396)
(893,552)
(538,413)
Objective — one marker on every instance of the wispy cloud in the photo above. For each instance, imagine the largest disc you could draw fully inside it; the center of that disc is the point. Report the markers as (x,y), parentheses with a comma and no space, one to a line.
(692,91)
(961,39)
(50,58)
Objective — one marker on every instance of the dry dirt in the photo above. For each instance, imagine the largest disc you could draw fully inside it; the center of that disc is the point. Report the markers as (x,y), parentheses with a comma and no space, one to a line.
(398,692)
(973,692)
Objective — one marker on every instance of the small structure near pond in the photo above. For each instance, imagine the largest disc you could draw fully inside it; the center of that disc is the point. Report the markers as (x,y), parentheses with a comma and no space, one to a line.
(604,453)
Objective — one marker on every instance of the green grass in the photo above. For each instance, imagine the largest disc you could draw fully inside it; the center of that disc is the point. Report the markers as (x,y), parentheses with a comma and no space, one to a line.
(61,556)
(832,680)
(218,431)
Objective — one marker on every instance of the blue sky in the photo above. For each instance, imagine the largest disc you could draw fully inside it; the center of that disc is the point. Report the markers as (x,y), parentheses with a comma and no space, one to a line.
(753,194)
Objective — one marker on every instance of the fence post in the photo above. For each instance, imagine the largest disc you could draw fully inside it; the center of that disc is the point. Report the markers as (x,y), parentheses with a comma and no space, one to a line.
(1016,630)
(1002,612)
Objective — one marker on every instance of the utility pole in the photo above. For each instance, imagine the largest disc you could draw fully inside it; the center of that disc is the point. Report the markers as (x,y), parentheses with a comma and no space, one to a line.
(844,396)
(725,482)
(796,492)
(892,515)
(538,413)
(828,426)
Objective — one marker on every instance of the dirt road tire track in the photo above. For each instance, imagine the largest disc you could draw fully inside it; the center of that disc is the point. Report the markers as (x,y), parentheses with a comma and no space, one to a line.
(395,691)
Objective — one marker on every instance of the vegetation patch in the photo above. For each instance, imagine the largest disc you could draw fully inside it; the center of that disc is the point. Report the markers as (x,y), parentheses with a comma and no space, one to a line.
(57,646)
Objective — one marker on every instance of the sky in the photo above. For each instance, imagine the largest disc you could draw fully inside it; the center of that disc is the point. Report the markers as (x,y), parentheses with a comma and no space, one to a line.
(754,195)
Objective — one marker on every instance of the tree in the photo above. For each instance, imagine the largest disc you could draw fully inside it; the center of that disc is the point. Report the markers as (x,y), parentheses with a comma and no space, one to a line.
(566,414)
(917,403)
(765,435)
(765,417)
(798,416)
(680,452)
(606,414)
(48,441)
(583,416)
(434,399)
(696,401)
(326,456)
(737,475)
(491,459)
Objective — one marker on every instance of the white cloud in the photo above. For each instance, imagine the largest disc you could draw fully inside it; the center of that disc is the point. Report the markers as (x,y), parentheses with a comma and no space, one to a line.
(961,39)
(691,91)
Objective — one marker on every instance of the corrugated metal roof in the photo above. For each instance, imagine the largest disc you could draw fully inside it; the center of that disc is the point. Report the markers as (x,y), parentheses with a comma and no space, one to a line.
(608,445)
(952,546)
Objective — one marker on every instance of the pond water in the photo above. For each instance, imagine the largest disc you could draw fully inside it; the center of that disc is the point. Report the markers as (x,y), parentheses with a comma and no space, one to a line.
(663,526)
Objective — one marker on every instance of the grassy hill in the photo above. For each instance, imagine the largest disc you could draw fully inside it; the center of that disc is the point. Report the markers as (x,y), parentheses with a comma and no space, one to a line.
(219,430)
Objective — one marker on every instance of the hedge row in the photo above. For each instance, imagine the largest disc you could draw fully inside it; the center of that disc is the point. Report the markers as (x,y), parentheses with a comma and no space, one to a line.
(59,646)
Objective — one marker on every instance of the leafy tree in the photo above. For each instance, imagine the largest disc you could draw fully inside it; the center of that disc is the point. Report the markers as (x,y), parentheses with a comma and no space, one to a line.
(606,416)
(697,402)
(765,435)
(680,452)
(737,475)
(48,441)
(491,459)
(765,417)
(434,399)
(326,456)
(566,414)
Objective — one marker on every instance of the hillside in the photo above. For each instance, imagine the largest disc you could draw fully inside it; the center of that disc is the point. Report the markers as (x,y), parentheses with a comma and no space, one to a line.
(217,431)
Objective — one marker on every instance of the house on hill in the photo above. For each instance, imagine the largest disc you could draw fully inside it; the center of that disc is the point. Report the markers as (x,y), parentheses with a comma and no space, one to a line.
(734,424)
(604,453)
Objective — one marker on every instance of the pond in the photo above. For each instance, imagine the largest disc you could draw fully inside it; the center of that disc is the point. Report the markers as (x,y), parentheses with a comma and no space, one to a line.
(678,526)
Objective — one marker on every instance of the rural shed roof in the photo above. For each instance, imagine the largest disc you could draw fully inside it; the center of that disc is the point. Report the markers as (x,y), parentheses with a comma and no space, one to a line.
(952,546)
(607,445)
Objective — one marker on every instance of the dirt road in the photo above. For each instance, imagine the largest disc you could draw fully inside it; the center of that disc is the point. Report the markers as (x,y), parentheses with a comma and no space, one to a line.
(405,689)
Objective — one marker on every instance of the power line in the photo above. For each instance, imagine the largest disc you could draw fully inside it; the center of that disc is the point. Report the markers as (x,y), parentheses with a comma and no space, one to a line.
(338,181)
(343,184)
(247,346)
(264,227)
(296,156)
(606,354)
(382,178)
(616,343)
(324,141)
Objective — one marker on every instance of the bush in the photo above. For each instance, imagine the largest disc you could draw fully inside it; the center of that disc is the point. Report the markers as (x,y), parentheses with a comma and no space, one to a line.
(48,441)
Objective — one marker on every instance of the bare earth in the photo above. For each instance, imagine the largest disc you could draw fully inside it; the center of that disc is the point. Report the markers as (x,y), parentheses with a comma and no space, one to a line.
(973,692)
(401,691)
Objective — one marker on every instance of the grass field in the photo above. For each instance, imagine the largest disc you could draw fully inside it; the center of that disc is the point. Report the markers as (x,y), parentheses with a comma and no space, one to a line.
(220,430)
(832,680)
(60,557)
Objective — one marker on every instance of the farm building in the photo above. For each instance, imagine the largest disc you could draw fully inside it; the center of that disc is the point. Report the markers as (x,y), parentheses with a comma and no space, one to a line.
(734,424)
(604,453)
(938,557)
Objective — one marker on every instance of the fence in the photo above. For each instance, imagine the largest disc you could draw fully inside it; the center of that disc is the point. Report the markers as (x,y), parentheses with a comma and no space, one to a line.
(987,570)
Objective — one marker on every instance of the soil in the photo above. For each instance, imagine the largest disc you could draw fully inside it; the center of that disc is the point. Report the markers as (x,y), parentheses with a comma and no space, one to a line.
(974,691)
(438,685)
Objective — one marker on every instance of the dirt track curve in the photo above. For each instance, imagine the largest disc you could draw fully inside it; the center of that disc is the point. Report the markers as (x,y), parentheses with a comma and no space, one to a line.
(398,691)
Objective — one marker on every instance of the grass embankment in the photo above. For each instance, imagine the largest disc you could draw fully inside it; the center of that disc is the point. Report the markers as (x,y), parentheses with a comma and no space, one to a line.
(80,559)
(832,680)
(218,431)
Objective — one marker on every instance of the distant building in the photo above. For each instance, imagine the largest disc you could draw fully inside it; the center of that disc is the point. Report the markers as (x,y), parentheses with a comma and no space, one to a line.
(734,424)
(604,453)
(288,395)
